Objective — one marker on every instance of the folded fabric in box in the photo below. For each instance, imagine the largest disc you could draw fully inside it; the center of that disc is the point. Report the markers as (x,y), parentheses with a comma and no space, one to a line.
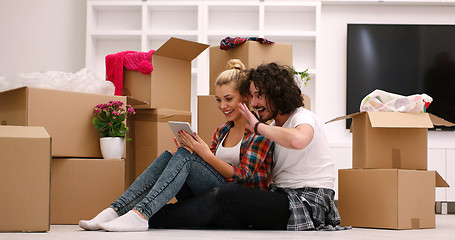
(131,60)
(382,101)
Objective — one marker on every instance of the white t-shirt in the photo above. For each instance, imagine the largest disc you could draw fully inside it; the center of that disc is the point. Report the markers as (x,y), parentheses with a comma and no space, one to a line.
(308,167)
(229,155)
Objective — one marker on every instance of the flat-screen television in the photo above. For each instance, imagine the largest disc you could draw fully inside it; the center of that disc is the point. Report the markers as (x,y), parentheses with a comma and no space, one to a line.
(405,59)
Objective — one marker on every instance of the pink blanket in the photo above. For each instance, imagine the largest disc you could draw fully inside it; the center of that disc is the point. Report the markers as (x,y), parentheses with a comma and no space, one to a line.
(131,60)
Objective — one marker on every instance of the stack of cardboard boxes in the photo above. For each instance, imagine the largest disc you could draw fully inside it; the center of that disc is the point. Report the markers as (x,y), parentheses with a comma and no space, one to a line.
(55,174)
(162,96)
(389,185)
(80,182)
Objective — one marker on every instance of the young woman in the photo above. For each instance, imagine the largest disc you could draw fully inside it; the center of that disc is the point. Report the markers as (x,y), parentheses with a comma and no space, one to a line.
(236,155)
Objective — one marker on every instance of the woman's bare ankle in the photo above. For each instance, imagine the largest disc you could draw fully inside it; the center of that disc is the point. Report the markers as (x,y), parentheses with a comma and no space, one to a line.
(140,214)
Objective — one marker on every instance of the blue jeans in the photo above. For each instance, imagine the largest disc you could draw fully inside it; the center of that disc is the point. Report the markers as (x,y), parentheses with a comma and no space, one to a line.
(163,179)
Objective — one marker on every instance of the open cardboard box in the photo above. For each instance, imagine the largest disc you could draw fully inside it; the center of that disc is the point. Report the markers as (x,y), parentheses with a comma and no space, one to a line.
(390,139)
(388,198)
(251,53)
(169,84)
(66,115)
(24,178)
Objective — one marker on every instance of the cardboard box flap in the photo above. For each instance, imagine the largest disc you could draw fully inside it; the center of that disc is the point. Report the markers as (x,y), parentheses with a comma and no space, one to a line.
(399,120)
(344,117)
(182,49)
(162,115)
(396,120)
(440,182)
(437,121)
(135,102)
(23,132)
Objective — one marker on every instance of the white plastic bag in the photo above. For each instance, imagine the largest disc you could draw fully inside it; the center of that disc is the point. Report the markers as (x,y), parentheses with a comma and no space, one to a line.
(82,81)
(382,101)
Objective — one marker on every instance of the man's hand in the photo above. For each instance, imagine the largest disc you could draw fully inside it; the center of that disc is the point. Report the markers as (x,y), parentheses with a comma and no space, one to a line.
(252,120)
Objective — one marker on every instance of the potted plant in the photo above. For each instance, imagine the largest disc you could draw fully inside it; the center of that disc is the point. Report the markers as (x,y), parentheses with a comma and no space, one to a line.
(110,119)
(299,78)
(304,76)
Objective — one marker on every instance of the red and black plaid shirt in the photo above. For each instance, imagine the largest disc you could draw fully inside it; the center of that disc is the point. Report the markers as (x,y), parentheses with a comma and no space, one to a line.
(256,154)
(228,42)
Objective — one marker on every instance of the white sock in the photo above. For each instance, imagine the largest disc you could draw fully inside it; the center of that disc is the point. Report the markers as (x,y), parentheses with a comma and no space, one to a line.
(106,215)
(130,222)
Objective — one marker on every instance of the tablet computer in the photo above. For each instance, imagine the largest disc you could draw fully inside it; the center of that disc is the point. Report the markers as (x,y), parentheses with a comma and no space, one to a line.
(177,126)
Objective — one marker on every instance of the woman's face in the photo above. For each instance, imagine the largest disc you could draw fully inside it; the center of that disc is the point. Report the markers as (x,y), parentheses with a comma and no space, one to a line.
(228,99)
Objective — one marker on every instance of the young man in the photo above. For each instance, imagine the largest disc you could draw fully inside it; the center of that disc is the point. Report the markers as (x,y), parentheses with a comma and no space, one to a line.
(301,196)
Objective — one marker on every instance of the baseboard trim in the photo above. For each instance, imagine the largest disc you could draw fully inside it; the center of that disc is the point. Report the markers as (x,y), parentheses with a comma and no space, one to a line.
(440,207)
(445,207)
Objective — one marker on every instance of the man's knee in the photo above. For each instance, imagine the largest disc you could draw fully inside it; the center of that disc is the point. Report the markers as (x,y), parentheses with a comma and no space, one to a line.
(226,191)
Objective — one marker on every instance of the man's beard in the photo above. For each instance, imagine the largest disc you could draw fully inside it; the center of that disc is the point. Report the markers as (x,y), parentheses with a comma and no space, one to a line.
(274,113)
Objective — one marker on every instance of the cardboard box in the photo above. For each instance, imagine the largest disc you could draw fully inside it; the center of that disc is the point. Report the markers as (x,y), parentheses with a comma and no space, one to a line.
(152,135)
(251,53)
(306,101)
(83,187)
(67,117)
(388,198)
(169,84)
(390,139)
(24,179)
(209,117)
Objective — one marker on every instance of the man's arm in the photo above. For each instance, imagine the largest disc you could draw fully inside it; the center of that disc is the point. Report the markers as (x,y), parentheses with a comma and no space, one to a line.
(293,138)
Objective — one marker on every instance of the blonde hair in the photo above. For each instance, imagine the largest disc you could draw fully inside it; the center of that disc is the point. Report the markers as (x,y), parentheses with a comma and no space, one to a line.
(235,73)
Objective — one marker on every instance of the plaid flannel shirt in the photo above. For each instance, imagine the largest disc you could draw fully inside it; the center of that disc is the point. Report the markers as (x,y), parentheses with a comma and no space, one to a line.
(255,157)
(228,42)
(311,209)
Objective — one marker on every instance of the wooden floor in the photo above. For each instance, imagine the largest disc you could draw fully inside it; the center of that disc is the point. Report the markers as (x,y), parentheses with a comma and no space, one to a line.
(445,229)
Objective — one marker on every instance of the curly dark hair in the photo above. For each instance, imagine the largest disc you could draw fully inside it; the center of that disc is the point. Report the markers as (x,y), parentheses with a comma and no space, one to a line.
(278,85)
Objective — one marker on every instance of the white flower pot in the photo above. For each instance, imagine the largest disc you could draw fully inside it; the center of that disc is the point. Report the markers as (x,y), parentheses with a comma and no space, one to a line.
(112,147)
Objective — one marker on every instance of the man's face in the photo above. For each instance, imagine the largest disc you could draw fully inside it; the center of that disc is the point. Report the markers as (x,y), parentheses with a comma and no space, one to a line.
(259,104)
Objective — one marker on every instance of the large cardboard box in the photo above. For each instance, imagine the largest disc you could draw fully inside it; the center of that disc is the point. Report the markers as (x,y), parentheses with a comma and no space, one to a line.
(390,139)
(152,136)
(388,198)
(25,168)
(169,84)
(83,187)
(67,117)
(251,53)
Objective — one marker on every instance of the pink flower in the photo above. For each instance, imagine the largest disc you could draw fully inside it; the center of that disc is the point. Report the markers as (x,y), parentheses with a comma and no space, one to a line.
(106,115)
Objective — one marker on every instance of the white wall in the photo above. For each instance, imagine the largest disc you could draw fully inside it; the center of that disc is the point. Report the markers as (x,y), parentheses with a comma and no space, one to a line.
(331,61)
(42,35)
